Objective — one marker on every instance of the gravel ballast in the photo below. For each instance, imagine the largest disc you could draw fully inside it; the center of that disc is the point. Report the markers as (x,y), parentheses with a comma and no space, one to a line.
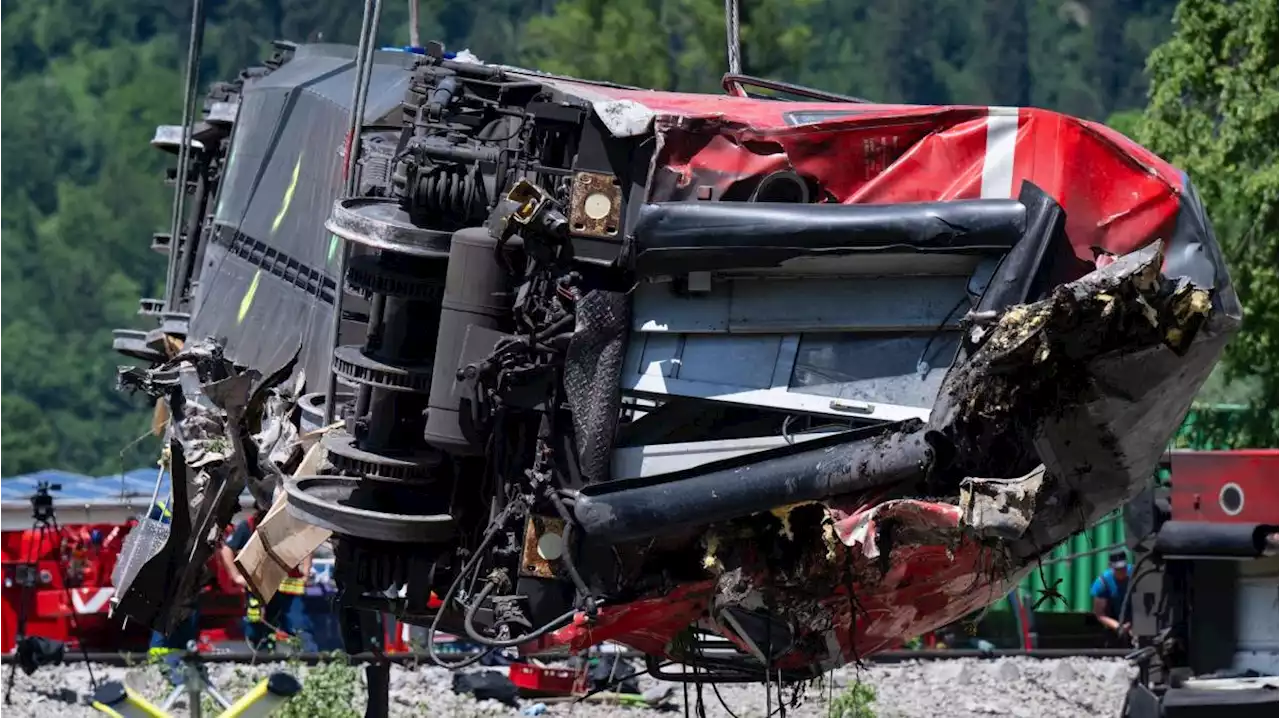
(960,687)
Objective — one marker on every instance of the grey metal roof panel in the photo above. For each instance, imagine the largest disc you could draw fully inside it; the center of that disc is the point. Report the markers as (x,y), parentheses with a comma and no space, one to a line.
(299,71)
(328,71)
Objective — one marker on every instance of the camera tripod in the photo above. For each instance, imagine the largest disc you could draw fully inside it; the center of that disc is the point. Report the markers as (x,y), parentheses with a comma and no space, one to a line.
(44,524)
(116,699)
(195,683)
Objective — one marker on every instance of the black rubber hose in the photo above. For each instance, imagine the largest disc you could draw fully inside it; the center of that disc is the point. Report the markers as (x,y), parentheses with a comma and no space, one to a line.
(497,524)
(816,470)
(1215,540)
(468,624)
(567,557)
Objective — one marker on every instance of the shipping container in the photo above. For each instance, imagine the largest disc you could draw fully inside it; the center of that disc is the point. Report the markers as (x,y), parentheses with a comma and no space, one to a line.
(1072,567)
(1211,427)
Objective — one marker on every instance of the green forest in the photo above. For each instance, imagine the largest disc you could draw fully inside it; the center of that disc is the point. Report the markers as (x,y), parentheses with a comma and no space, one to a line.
(85,82)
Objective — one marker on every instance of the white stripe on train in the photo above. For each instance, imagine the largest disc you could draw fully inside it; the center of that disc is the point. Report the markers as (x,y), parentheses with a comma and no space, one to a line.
(997,162)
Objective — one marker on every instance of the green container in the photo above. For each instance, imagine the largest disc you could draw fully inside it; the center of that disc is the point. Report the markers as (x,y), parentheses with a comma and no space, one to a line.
(1078,561)
(1073,566)
(1211,427)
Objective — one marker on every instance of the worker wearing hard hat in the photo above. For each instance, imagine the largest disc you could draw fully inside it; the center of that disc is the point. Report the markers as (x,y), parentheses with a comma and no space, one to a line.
(286,611)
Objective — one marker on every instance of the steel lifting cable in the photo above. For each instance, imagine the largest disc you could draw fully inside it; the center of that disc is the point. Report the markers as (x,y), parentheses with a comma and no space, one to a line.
(172,301)
(415,40)
(733,36)
(363,71)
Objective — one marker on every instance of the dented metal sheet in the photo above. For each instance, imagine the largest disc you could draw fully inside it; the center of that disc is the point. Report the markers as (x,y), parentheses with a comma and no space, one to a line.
(1117,195)
(1028,377)
(209,437)
(1001,508)
(624,118)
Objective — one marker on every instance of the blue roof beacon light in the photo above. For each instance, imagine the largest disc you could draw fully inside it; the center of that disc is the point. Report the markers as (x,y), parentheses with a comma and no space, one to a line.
(411,49)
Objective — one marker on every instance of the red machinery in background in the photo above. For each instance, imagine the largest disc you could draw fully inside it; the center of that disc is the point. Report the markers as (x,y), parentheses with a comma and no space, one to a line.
(61,574)
(70,595)
(1226,486)
(1205,588)
(68,599)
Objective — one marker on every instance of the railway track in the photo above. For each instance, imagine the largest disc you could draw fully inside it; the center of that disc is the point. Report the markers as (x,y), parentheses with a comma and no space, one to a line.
(141,657)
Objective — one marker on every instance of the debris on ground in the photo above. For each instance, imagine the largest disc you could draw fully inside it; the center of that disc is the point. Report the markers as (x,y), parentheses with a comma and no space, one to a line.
(959,688)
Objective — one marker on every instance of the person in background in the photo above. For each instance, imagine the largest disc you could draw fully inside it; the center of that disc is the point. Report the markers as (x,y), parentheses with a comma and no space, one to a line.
(1109,591)
(287,608)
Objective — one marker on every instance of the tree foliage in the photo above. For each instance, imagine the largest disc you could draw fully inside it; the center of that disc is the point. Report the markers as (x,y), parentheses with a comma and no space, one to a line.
(86,81)
(1082,58)
(1214,111)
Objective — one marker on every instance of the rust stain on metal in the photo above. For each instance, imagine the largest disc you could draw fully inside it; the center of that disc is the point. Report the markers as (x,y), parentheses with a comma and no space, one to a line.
(532,561)
(595,205)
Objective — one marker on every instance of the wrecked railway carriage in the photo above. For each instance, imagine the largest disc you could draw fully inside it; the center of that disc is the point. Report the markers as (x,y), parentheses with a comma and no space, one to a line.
(815,375)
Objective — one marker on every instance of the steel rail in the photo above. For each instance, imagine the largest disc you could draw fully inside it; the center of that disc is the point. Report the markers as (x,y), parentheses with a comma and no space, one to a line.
(126,658)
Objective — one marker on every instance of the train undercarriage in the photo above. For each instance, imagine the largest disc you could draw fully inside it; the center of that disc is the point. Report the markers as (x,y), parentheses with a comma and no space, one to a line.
(590,363)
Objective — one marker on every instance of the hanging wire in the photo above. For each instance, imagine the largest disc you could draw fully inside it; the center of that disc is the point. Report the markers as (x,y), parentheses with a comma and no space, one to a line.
(192,79)
(155,492)
(364,57)
(733,36)
(363,70)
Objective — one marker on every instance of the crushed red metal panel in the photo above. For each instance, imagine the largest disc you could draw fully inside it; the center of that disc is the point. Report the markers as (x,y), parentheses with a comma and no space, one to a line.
(646,625)
(928,585)
(1118,196)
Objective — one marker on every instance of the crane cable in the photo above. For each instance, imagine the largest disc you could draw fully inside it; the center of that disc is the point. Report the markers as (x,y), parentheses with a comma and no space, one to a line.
(363,72)
(414,39)
(192,79)
(733,36)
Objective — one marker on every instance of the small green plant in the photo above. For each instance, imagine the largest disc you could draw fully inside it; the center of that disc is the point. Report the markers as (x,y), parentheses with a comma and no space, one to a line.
(856,701)
(329,690)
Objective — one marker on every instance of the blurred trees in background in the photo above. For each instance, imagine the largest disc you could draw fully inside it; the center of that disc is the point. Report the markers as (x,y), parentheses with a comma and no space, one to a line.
(1214,111)
(85,82)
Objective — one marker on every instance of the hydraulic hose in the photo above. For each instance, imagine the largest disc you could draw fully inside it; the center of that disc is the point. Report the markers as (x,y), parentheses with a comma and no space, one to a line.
(470,566)
(468,623)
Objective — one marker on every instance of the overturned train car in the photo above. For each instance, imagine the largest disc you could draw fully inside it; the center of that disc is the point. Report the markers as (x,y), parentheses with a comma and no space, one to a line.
(804,372)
